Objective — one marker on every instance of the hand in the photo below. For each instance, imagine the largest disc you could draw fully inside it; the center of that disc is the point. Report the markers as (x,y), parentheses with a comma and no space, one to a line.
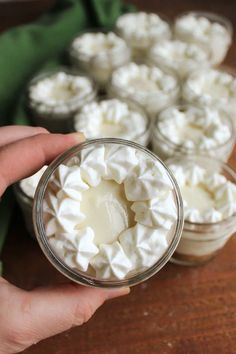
(27,317)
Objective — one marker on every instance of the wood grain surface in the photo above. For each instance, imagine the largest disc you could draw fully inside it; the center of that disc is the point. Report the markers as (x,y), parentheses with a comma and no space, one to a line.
(180,310)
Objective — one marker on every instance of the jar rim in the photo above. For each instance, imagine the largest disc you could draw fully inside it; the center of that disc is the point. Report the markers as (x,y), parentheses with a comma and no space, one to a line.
(76,275)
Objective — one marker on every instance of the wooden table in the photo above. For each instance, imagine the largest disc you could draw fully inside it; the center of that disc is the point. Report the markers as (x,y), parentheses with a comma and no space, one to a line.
(180,310)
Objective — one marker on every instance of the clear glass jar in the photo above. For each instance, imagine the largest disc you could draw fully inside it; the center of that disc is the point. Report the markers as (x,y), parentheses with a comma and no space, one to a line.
(200,242)
(99,65)
(85,278)
(153,100)
(141,36)
(218,43)
(142,137)
(26,205)
(56,113)
(215,97)
(179,58)
(164,147)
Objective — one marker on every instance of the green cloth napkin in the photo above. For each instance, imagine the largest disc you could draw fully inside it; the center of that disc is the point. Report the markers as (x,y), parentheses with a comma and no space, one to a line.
(29,48)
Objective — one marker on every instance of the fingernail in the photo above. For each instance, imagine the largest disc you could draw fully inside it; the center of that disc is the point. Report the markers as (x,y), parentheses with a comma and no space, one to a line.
(111,294)
(78,137)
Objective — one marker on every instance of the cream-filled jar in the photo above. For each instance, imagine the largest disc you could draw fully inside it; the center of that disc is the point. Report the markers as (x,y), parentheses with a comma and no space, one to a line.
(24,191)
(213,88)
(190,130)
(208,188)
(147,85)
(179,58)
(206,29)
(114,118)
(108,213)
(99,54)
(141,31)
(53,98)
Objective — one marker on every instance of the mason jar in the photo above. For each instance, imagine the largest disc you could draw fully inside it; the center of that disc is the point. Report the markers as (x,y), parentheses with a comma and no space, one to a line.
(98,54)
(53,97)
(114,118)
(201,241)
(74,156)
(206,29)
(219,138)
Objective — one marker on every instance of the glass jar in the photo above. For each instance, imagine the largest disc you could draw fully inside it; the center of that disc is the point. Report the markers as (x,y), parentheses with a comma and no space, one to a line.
(212,88)
(68,158)
(218,40)
(54,96)
(200,242)
(153,91)
(179,58)
(101,63)
(164,147)
(141,128)
(141,30)
(26,205)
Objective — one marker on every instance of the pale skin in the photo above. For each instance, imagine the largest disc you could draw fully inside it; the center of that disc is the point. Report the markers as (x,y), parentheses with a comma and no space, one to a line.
(26,317)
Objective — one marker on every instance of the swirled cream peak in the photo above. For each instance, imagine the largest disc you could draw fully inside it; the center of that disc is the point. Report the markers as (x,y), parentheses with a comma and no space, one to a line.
(208,197)
(110,211)
(142,29)
(29,185)
(194,128)
(110,118)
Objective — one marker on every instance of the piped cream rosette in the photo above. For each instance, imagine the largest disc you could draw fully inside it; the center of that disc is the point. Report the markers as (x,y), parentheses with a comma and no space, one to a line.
(148,194)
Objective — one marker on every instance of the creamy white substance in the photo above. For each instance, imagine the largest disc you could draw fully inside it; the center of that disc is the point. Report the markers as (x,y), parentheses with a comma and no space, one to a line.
(29,185)
(179,58)
(59,93)
(199,29)
(141,30)
(148,86)
(112,118)
(111,215)
(195,129)
(99,54)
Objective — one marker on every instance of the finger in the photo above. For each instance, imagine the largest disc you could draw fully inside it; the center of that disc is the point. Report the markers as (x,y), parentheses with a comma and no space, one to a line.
(12,133)
(24,157)
(58,309)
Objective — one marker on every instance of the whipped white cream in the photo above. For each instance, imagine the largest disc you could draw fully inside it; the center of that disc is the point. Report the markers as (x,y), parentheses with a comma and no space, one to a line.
(190,129)
(207,197)
(29,185)
(110,213)
(178,57)
(112,118)
(148,86)
(211,88)
(59,93)
(141,30)
(205,30)
(99,54)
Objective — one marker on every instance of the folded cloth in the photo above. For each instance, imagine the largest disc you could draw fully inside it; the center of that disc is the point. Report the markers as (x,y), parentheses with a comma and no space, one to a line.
(26,49)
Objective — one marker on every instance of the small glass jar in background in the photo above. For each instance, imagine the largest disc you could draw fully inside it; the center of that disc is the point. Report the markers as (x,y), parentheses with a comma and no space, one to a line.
(147,85)
(114,118)
(212,88)
(98,54)
(179,58)
(24,191)
(68,158)
(54,96)
(206,29)
(141,30)
(168,144)
(200,242)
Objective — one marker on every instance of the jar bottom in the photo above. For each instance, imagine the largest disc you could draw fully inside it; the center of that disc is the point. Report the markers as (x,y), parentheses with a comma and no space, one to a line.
(191,260)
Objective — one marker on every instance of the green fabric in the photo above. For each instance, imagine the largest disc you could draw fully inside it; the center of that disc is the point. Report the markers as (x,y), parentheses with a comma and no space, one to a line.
(29,48)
